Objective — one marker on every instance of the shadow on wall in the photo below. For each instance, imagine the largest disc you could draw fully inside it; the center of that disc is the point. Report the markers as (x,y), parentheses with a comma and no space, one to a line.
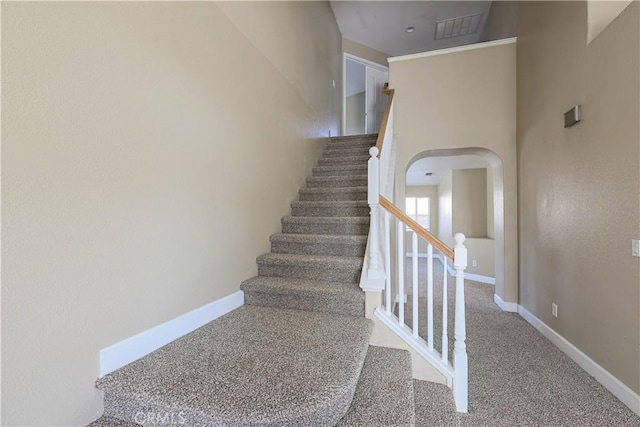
(465,187)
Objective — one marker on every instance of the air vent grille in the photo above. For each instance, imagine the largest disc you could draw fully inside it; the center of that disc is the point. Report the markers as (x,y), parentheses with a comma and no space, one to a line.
(457,27)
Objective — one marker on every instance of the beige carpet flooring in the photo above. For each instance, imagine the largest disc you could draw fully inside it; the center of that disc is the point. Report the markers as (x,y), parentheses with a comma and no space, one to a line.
(516,376)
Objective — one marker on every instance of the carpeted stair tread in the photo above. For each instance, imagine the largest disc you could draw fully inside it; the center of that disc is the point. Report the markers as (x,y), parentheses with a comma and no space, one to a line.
(309,260)
(319,244)
(254,366)
(384,395)
(337,181)
(280,285)
(333,194)
(369,139)
(351,160)
(300,294)
(317,267)
(325,225)
(340,170)
(112,422)
(345,152)
(357,208)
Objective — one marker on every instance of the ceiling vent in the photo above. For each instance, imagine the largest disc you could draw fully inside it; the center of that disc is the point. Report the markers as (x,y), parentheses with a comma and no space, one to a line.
(458,27)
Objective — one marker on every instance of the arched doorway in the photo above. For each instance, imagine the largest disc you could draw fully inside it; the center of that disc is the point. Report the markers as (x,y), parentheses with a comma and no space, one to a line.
(465,187)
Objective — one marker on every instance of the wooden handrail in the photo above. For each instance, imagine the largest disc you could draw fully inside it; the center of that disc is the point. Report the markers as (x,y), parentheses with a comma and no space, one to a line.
(435,242)
(385,119)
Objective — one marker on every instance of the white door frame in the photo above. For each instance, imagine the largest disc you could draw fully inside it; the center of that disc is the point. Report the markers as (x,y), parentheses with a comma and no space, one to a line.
(364,62)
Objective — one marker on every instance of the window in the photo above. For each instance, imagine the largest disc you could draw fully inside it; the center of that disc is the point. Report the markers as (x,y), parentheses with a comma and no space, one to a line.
(418,210)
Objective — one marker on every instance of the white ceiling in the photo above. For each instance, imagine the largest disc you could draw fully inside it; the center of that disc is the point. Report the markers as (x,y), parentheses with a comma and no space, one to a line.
(382,25)
(438,166)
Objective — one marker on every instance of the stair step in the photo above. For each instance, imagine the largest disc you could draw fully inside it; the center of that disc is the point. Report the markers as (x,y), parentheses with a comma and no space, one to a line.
(315,267)
(325,225)
(254,366)
(330,208)
(340,170)
(330,152)
(317,244)
(384,395)
(369,139)
(301,294)
(111,422)
(333,194)
(337,181)
(349,160)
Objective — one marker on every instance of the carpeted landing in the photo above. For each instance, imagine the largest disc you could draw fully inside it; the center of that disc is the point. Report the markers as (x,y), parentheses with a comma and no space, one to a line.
(297,353)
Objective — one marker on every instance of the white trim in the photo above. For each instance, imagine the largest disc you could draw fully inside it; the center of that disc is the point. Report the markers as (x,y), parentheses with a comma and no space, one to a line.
(480,278)
(450,269)
(475,277)
(419,345)
(420,255)
(452,50)
(505,306)
(614,385)
(133,348)
(366,62)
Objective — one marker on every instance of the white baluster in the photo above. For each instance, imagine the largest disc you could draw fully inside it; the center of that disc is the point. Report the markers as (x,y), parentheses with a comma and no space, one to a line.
(401,257)
(430,296)
(445,314)
(387,262)
(460,363)
(414,289)
(373,197)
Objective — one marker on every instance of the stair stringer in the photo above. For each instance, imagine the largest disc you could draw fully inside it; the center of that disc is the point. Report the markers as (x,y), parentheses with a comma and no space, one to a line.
(423,365)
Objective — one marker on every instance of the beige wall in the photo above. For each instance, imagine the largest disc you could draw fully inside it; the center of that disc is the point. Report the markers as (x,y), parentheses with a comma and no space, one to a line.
(445,208)
(470,202)
(490,216)
(463,209)
(482,250)
(148,151)
(579,189)
(441,106)
(355,114)
(364,52)
(503,19)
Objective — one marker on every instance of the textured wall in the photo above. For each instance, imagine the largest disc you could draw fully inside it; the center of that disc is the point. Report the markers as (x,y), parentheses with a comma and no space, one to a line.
(579,189)
(470,202)
(148,151)
(463,102)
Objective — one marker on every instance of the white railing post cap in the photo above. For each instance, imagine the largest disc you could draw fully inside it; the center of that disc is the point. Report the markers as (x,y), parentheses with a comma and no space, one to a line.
(373,151)
(460,252)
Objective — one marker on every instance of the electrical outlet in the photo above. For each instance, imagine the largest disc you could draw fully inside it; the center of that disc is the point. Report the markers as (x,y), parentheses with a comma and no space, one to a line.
(554,309)
(474,263)
(635,248)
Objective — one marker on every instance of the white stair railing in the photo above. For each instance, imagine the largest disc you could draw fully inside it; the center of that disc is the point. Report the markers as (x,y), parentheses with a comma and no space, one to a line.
(382,248)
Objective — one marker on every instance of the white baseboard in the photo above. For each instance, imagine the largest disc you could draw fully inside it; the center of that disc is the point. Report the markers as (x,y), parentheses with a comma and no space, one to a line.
(505,306)
(614,385)
(480,278)
(467,275)
(124,352)
(420,255)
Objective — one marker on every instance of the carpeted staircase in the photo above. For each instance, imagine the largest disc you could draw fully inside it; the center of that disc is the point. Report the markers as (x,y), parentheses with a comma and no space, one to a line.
(297,353)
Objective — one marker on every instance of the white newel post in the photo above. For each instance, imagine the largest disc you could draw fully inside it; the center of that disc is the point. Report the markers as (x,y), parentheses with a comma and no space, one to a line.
(460,364)
(373,197)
